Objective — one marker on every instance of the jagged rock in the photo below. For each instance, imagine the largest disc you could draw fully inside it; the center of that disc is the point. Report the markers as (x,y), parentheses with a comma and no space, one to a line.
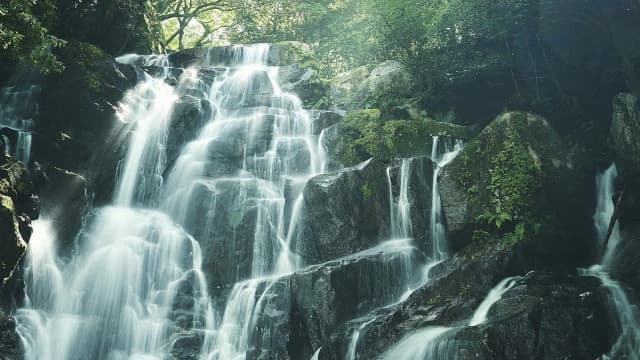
(346,212)
(12,245)
(518,181)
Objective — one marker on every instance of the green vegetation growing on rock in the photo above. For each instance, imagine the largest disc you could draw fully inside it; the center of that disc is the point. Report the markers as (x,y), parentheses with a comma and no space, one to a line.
(364,134)
(88,59)
(516,181)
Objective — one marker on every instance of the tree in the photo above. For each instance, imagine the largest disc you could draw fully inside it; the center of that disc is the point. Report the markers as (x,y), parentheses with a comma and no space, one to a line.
(173,21)
(24,37)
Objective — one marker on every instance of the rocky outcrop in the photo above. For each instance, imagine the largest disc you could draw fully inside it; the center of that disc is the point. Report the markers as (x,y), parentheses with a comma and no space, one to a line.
(345,212)
(362,134)
(526,323)
(518,181)
(18,206)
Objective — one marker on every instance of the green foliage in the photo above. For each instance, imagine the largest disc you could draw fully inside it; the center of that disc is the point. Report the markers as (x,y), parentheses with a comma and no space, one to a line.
(24,39)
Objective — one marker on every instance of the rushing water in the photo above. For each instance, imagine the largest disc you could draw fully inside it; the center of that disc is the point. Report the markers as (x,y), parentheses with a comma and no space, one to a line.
(18,107)
(136,287)
(443,152)
(627,345)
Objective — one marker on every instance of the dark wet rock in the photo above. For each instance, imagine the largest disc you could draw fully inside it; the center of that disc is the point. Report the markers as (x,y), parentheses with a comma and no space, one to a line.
(225,233)
(10,343)
(65,200)
(346,212)
(326,296)
(190,114)
(545,315)
(518,181)
(323,119)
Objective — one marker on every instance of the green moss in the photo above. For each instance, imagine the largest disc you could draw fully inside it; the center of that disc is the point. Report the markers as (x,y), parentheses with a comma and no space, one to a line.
(367,191)
(363,134)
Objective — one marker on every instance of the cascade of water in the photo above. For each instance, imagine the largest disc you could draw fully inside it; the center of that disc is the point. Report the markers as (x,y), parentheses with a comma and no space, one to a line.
(400,208)
(316,354)
(135,284)
(400,220)
(18,107)
(480,315)
(628,343)
(420,345)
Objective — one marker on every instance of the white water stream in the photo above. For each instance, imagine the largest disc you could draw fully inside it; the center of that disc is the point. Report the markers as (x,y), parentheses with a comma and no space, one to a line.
(136,287)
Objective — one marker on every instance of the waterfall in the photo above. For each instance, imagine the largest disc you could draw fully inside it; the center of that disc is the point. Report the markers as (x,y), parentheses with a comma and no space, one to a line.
(442,153)
(400,218)
(18,108)
(423,344)
(136,288)
(480,315)
(628,343)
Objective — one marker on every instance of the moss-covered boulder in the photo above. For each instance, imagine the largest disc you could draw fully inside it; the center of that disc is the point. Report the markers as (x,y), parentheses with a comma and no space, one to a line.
(363,134)
(517,182)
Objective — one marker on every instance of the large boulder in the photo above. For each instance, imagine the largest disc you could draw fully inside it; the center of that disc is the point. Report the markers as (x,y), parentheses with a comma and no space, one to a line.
(387,81)
(625,132)
(326,296)
(345,212)
(518,181)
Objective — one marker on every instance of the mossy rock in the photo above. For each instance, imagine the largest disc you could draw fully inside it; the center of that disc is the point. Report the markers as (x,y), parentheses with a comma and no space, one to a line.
(12,246)
(363,134)
(518,182)
(292,52)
